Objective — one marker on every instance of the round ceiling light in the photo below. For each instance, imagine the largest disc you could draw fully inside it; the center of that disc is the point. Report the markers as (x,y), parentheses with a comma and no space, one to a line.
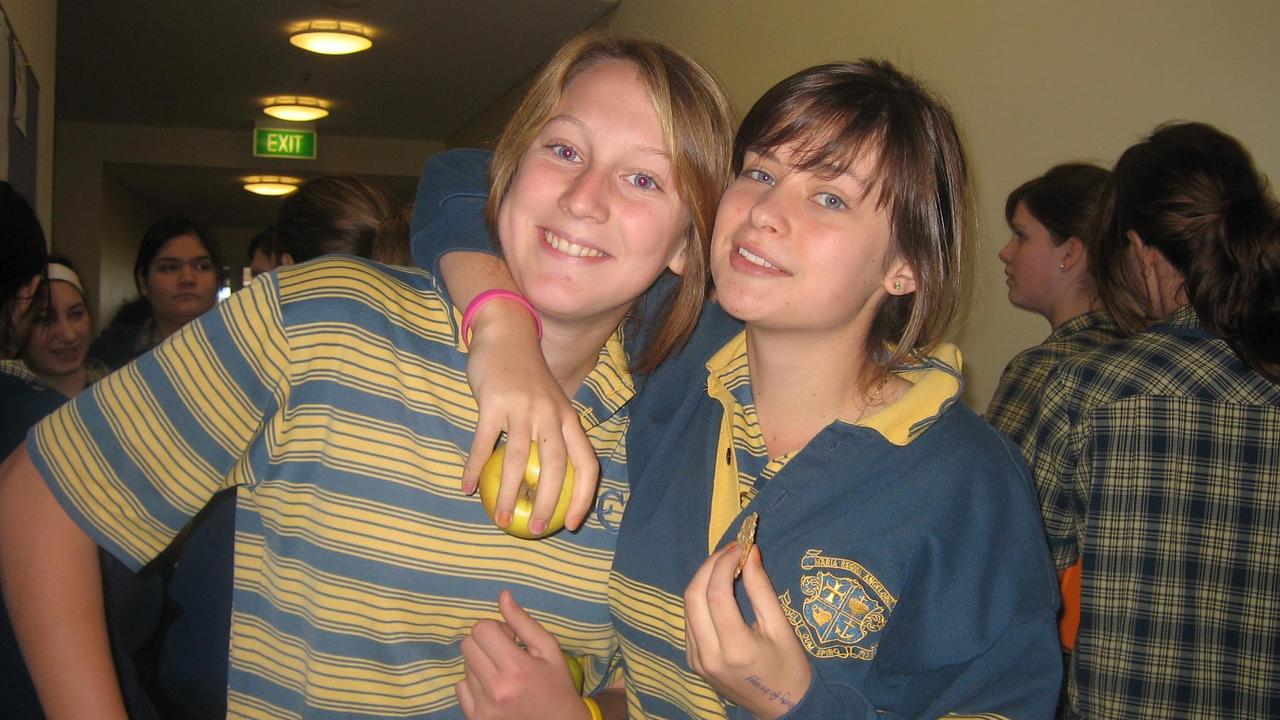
(296,108)
(331,37)
(271,185)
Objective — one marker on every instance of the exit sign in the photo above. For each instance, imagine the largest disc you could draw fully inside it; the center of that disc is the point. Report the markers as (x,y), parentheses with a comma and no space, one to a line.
(282,143)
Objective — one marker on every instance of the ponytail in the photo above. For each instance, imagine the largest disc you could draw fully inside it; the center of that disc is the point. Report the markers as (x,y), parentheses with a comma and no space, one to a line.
(1236,290)
(1192,193)
(343,214)
(391,246)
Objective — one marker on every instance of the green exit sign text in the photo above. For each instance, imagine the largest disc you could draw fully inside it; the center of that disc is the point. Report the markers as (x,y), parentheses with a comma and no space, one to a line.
(281,143)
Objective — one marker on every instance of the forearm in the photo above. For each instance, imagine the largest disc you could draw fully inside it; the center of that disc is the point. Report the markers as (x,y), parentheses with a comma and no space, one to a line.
(53,589)
(466,275)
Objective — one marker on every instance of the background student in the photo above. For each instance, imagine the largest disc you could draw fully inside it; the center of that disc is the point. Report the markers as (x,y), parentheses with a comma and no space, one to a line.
(1046,267)
(1158,457)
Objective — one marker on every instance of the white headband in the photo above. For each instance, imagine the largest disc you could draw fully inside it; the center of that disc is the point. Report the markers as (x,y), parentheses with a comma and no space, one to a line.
(58,271)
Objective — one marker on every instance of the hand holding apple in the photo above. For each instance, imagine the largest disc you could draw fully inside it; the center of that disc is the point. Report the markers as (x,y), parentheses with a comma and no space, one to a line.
(491,485)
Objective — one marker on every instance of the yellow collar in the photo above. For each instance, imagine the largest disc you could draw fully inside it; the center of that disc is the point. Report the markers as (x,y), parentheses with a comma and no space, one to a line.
(935,386)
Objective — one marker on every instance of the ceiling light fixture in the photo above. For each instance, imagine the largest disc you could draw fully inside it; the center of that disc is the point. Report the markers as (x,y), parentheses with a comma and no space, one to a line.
(331,37)
(271,185)
(296,108)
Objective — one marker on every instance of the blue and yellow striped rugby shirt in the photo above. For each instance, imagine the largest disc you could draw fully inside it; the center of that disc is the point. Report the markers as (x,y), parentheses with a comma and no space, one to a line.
(333,396)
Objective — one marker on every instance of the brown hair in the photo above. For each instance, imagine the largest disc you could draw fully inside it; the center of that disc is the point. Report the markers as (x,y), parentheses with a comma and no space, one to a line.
(1065,199)
(834,114)
(343,214)
(697,123)
(1192,192)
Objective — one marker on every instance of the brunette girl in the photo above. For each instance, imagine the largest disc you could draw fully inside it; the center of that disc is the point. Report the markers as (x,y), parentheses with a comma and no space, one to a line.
(1046,267)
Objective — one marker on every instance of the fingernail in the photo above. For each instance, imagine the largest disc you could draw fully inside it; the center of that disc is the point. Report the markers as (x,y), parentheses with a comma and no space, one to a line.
(468,488)
(537,526)
(503,519)
(574,522)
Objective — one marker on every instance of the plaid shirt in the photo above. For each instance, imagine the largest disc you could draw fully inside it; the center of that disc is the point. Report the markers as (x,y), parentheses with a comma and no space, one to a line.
(1017,397)
(1157,458)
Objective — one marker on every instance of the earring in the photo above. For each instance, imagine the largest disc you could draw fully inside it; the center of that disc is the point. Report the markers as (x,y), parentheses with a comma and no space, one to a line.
(897,284)
(1062,267)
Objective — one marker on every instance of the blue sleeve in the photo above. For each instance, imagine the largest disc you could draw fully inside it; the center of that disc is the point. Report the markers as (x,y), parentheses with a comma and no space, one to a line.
(448,211)
(665,390)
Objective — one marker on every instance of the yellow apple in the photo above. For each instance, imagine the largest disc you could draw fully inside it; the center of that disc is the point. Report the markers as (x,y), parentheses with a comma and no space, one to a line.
(491,479)
(575,670)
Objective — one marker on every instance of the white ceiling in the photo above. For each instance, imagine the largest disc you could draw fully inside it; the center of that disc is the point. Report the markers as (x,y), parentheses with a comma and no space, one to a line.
(434,66)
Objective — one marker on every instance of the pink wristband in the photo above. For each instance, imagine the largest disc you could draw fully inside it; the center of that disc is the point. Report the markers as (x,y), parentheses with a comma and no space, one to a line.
(478,301)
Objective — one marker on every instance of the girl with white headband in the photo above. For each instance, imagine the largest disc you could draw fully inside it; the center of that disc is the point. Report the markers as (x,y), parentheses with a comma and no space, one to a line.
(60,335)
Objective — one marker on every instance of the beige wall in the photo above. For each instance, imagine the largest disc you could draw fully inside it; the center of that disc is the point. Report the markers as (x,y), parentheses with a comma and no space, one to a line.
(1033,83)
(35,23)
(125,217)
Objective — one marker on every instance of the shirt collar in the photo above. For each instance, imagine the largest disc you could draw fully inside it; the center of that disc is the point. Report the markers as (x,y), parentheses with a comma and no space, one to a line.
(1091,319)
(19,370)
(936,382)
(608,386)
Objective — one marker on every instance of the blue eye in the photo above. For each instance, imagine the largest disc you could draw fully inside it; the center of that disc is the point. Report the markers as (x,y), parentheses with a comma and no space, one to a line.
(565,152)
(642,181)
(758,175)
(830,202)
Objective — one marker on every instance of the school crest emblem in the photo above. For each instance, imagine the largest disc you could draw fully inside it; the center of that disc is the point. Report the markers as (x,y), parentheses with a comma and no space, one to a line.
(843,610)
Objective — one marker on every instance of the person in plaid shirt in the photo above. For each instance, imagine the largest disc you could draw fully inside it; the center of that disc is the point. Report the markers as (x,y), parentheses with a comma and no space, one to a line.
(1047,270)
(1157,458)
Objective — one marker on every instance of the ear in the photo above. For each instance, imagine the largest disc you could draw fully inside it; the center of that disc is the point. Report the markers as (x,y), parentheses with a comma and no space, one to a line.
(141,281)
(676,263)
(1072,252)
(1143,254)
(286,259)
(900,278)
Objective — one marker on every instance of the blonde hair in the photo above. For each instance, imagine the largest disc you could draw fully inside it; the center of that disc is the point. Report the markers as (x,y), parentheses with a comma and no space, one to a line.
(697,124)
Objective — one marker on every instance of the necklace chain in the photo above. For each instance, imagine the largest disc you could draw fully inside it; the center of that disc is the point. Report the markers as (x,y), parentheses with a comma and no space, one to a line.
(872,399)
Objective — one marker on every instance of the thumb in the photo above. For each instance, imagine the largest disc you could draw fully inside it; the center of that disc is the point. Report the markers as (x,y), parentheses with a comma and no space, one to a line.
(764,600)
(536,639)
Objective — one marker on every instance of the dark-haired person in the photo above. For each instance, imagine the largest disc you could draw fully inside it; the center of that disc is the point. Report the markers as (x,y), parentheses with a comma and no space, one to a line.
(23,259)
(262,252)
(57,349)
(23,399)
(907,573)
(1046,266)
(1158,456)
(177,272)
